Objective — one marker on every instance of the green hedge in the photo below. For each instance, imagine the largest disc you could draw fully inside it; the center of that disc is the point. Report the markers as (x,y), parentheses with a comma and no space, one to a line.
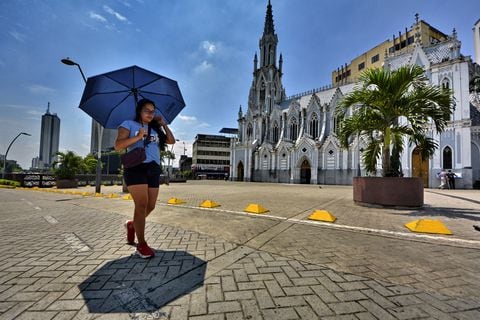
(12,183)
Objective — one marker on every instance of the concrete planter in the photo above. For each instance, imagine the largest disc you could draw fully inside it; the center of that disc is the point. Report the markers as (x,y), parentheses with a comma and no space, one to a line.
(391,191)
(67,183)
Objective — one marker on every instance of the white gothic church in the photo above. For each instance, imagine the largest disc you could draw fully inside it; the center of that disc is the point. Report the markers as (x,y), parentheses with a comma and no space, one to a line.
(292,140)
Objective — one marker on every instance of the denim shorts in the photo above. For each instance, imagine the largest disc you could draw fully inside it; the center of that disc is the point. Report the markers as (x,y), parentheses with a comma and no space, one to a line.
(145,173)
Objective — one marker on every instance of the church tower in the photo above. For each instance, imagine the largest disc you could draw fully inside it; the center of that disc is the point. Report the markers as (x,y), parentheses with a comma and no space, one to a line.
(267,89)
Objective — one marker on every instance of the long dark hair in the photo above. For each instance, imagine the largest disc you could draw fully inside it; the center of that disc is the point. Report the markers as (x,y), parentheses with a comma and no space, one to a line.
(162,137)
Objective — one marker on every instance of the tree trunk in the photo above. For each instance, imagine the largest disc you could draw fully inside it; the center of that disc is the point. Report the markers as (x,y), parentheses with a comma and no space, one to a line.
(386,154)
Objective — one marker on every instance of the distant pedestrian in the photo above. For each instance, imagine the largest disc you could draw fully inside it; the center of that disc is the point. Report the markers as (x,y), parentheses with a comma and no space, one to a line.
(143,180)
(451,179)
(443,180)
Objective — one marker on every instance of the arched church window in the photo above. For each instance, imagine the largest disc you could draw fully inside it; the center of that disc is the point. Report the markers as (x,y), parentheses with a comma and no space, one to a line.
(314,126)
(447,158)
(262,94)
(249,131)
(275,131)
(446,83)
(293,129)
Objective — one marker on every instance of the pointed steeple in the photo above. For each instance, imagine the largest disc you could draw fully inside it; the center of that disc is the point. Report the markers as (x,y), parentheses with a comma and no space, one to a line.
(269,28)
(280,63)
(269,40)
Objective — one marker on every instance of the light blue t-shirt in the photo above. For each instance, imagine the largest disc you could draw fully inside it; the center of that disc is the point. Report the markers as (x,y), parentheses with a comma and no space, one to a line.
(151,150)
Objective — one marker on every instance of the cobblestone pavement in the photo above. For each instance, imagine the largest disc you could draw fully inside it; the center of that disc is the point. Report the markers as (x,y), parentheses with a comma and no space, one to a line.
(65,257)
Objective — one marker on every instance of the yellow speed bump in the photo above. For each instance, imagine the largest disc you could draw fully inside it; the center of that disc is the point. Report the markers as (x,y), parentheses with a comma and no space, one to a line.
(112,195)
(127,197)
(322,215)
(175,201)
(98,195)
(255,208)
(209,204)
(428,226)
(87,194)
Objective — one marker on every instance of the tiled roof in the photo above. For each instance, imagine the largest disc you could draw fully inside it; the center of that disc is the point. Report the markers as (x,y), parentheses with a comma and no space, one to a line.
(435,54)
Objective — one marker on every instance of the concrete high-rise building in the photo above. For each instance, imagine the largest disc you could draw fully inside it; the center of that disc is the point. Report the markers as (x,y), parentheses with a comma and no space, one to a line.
(211,156)
(108,138)
(49,138)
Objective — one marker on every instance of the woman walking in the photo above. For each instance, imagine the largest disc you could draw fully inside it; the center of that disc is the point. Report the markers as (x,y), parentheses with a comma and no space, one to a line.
(143,180)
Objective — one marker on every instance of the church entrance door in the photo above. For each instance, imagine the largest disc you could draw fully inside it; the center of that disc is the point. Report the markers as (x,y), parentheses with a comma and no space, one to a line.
(419,166)
(240,172)
(305,172)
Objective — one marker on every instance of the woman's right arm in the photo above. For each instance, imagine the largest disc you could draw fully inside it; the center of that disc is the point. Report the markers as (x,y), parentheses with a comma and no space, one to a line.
(123,141)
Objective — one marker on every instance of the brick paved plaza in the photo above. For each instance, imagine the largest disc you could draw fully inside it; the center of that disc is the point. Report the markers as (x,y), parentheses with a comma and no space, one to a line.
(64,256)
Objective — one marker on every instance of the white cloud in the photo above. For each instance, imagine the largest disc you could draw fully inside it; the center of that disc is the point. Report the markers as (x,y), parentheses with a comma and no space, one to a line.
(114,13)
(209,47)
(203,125)
(39,89)
(18,36)
(96,16)
(188,119)
(203,67)
(35,113)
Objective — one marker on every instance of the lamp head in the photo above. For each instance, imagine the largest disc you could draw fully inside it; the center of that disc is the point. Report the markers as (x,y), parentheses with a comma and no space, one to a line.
(69,62)
(27,134)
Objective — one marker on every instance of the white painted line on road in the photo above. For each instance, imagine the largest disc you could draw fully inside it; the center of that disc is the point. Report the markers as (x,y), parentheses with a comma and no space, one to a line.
(50,219)
(338,226)
(387,232)
(75,242)
(37,208)
(254,215)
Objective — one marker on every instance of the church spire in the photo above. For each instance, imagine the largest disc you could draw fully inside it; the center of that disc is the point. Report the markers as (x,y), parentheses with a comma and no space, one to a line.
(269,28)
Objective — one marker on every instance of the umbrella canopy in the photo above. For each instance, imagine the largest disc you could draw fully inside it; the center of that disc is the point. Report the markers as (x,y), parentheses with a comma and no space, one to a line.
(110,98)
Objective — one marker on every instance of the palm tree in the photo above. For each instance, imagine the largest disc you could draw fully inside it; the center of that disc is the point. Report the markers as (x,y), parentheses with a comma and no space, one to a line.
(389,106)
(67,165)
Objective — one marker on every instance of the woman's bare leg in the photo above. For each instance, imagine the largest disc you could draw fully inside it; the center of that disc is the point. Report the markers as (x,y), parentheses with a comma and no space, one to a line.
(152,200)
(139,194)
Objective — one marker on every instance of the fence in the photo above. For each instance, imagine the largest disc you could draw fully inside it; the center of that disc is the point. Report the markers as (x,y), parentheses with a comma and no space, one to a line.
(47,180)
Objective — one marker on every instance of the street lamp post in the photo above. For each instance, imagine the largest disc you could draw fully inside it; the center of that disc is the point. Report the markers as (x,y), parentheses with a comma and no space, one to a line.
(98,174)
(8,149)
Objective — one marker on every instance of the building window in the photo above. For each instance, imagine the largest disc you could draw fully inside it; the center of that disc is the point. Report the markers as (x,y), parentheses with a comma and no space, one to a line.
(293,129)
(375,58)
(249,131)
(410,40)
(447,158)
(275,132)
(361,66)
(446,83)
(314,126)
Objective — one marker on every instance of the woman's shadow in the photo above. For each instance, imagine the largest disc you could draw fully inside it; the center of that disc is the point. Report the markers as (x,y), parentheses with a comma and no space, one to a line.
(134,285)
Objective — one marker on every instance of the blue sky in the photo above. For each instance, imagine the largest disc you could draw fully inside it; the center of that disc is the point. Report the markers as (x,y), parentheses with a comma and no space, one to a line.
(206,45)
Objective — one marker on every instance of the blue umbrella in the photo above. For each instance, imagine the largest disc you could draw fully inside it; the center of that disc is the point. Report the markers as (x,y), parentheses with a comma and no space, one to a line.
(110,98)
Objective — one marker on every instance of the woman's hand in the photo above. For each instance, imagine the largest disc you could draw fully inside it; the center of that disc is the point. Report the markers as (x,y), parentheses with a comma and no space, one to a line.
(160,120)
(141,133)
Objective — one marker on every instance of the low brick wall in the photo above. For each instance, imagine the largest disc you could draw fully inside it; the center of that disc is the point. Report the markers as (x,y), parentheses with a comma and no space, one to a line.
(391,191)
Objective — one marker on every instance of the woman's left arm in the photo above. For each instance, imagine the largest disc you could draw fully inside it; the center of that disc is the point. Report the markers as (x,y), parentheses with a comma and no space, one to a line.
(170,138)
